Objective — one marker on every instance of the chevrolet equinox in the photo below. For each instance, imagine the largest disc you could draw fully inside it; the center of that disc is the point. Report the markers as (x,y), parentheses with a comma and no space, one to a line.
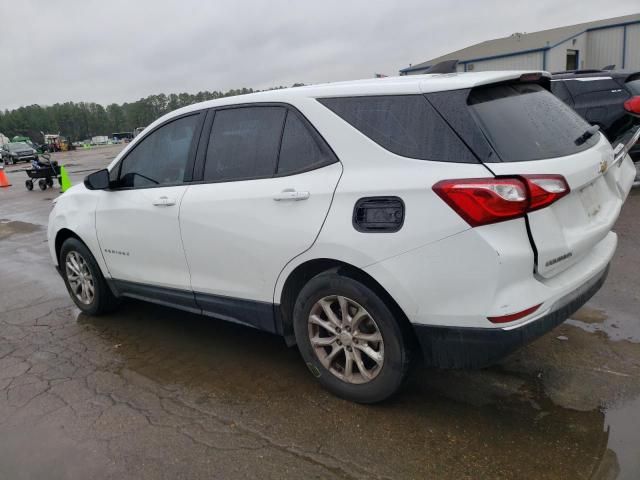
(451,218)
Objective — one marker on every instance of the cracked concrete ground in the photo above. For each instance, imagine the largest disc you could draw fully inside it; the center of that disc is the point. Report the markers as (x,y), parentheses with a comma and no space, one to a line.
(150,392)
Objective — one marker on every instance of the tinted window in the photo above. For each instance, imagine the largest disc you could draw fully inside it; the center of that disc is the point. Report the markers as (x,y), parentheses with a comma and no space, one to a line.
(526,122)
(633,86)
(161,157)
(244,143)
(561,91)
(406,125)
(302,148)
(578,86)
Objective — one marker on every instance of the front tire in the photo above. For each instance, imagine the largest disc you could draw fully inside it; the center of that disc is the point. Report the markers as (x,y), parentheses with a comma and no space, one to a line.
(84,280)
(350,339)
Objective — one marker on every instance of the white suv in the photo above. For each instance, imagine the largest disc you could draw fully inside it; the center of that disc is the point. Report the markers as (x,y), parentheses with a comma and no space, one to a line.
(454,216)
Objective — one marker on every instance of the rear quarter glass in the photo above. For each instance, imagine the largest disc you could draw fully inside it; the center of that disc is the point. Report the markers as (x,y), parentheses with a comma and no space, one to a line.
(525,122)
(407,125)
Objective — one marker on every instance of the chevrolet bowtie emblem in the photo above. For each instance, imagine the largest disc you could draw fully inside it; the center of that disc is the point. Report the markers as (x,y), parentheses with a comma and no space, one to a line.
(603,166)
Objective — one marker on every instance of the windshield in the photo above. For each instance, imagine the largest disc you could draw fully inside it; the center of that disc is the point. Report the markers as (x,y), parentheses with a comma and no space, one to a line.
(526,122)
(14,147)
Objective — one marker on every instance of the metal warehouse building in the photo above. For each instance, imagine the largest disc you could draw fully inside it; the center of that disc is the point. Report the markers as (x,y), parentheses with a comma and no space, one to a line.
(615,41)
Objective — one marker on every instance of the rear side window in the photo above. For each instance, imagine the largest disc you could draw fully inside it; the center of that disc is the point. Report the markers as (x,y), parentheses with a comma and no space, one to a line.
(561,91)
(406,125)
(526,122)
(580,86)
(244,143)
(302,149)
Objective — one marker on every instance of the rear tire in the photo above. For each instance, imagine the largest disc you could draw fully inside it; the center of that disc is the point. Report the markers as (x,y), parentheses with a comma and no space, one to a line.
(84,280)
(29,185)
(42,184)
(370,336)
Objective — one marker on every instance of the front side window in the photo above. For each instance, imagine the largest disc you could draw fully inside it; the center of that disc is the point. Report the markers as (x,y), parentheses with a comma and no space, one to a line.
(244,143)
(161,157)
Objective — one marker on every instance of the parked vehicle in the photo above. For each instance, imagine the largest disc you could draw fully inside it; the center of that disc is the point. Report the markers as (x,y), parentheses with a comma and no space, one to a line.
(18,152)
(455,217)
(100,140)
(607,98)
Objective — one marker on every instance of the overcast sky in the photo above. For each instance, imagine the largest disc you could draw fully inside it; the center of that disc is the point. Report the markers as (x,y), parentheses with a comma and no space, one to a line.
(115,51)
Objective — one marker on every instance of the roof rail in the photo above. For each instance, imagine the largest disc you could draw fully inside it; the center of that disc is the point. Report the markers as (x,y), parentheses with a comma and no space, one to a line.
(586,70)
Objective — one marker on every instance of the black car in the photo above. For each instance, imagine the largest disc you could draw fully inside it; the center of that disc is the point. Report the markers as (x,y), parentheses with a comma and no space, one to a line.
(604,98)
(18,152)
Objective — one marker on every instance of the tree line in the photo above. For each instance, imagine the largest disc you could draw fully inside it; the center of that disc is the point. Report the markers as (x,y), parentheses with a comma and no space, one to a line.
(81,120)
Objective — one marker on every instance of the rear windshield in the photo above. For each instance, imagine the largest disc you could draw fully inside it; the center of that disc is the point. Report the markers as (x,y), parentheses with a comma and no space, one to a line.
(406,125)
(526,122)
(633,86)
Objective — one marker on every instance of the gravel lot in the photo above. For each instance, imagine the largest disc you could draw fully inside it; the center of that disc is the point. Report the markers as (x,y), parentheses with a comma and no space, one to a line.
(151,392)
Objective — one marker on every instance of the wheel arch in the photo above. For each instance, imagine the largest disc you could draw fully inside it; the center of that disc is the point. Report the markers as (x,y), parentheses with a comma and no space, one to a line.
(304,272)
(64,234)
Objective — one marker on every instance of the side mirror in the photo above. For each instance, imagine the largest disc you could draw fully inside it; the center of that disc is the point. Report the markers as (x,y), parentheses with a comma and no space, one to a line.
(97,180)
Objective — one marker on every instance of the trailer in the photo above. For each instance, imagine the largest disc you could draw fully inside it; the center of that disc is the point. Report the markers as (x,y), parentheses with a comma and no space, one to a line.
(100,140)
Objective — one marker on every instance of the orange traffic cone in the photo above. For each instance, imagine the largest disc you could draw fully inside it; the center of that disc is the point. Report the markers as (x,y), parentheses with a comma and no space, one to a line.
(4,181)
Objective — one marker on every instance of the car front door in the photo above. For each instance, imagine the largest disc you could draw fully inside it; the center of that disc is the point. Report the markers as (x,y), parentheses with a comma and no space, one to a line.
(137,220)
(267,185)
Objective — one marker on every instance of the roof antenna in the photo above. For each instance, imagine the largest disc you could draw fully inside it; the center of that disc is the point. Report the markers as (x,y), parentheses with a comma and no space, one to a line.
(609,67)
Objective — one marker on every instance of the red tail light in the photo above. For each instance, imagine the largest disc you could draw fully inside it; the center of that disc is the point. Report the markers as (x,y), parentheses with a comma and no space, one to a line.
(545,189)
(633,105)
(482,201)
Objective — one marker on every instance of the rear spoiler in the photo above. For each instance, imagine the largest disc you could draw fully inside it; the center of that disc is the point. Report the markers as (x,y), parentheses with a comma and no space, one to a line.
(541,78)
(448,66)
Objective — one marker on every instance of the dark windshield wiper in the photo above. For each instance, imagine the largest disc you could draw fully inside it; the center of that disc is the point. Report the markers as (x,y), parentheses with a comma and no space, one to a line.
(590,132)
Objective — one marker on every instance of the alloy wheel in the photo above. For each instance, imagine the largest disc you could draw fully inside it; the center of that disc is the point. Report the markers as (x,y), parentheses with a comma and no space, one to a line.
(346,339)
(79,277)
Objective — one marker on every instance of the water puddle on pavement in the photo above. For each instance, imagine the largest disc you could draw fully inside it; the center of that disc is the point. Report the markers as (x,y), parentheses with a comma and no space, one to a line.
(14,227)
(623,327)
(623,426)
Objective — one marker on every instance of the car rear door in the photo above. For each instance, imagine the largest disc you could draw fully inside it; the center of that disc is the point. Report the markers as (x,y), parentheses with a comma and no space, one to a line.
(268,179)
(535,133)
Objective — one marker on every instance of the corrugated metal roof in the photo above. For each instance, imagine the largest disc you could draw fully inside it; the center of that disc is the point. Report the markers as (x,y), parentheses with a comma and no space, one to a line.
(522,42)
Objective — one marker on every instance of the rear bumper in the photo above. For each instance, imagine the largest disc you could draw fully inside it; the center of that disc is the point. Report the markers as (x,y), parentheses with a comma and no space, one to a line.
(467,347)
